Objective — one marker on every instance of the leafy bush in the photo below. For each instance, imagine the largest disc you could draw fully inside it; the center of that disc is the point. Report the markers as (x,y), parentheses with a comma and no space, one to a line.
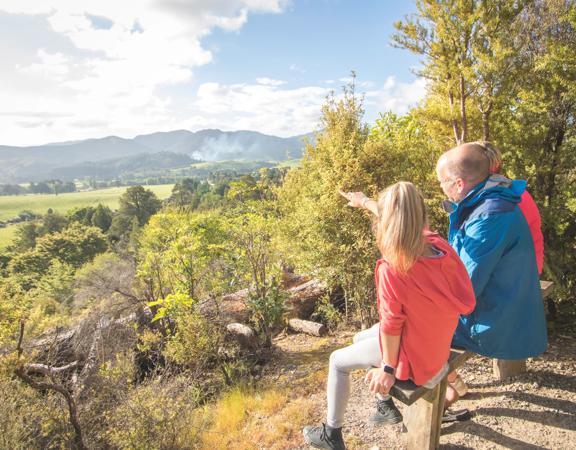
(157,415)
(321,235)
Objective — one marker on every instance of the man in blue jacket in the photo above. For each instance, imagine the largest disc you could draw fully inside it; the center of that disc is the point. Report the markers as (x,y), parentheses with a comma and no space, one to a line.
(491,236)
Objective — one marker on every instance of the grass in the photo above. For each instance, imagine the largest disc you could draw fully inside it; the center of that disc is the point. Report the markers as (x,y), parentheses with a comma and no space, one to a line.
(291,163)
(6,235)
(11,206)
(273,419)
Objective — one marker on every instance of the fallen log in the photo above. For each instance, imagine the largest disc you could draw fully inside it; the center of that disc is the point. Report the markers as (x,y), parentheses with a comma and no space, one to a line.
(308,327)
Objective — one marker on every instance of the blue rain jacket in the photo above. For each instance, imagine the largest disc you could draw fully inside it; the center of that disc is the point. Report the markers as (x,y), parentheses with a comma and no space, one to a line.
(491,236)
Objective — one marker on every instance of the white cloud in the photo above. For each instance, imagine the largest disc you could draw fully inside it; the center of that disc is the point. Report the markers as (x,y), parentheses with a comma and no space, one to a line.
(284,111)
(269,81)
(263,107)
(124,53)
(395,96)
(124,60)
(51,65)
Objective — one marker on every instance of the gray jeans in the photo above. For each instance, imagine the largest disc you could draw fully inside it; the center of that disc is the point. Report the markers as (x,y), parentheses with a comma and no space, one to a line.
(364,353)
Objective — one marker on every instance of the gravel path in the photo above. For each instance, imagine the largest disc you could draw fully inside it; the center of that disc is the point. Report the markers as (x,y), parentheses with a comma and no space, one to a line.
(532,411)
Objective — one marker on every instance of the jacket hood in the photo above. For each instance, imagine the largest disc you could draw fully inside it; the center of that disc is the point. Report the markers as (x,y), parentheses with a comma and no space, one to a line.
(458,295)
(495,186)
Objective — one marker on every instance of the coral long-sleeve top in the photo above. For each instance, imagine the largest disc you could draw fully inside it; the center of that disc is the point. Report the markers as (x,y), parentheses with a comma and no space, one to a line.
(423,307)
(528,207)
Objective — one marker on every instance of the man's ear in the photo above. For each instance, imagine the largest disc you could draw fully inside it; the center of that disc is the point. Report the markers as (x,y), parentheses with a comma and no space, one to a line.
(460,185)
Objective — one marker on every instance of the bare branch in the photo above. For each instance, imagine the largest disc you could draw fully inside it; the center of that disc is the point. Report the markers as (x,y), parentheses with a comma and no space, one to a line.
(49,370)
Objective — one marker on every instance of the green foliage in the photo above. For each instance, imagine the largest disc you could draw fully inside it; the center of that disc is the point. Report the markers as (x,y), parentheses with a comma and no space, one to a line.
(195,343)
(171,305)
(472,59)
(267,309)
(73,246)
(52,222)
(488,78)
(31,419)
(120,226)
(25,237)
(81,214)
(140,203)
(13,308)
(57,283)
(183,253)
(323,236)
(188,193)
(257,264)
(326,313)
(158,415)
(102,218)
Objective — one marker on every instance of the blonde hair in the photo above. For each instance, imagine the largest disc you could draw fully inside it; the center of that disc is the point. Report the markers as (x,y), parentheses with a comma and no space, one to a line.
(492,153)
(400,227)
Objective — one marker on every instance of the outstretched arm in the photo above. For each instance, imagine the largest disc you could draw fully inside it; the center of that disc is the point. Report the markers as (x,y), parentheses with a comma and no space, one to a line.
(360,200)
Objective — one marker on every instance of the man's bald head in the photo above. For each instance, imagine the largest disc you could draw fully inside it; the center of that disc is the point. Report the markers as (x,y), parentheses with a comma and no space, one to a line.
(462,168)
(467,161)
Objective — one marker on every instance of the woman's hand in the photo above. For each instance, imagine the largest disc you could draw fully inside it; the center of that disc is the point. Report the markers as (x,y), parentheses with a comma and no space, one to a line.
(355,199)
(379,381)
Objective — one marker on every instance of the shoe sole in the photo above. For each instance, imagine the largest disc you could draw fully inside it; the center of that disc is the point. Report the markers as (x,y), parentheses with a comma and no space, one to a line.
(386,421)
(310,443)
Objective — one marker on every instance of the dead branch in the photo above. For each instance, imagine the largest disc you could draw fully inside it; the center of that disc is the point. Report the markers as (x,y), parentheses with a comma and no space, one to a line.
(22,373)
(49,371)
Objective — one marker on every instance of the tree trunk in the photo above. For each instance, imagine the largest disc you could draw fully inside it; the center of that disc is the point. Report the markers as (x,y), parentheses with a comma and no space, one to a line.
(486,121)
(463,114)
(455,127)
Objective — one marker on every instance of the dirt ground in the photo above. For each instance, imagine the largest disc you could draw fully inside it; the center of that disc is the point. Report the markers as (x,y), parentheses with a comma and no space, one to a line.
(533,411)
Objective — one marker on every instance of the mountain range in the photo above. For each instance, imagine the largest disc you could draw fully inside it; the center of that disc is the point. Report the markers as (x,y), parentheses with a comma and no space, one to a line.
(21,164)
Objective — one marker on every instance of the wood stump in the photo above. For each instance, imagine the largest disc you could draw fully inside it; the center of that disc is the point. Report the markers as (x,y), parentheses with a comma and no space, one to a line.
(504,368)
(423,418)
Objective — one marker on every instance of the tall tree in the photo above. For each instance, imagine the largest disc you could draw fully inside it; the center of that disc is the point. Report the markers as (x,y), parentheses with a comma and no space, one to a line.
(140,203)
(102,218)
(471,57)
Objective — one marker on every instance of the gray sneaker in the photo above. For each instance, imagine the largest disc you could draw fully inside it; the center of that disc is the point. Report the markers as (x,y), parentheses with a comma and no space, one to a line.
(324,437)
(386,412)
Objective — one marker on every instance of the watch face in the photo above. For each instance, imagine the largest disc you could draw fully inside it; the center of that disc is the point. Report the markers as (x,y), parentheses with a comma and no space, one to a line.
(388,369)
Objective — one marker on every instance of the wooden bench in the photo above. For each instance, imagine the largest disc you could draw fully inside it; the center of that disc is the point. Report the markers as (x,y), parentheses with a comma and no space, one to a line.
(423,416)
(504,368)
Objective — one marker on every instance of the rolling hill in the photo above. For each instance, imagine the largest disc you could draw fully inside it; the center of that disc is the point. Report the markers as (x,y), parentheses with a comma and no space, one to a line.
(21,164)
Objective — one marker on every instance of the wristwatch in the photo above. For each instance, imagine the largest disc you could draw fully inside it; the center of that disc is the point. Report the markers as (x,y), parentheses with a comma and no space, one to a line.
(388,369)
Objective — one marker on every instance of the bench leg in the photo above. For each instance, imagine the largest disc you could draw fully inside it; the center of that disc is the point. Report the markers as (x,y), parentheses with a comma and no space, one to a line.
(424,417)
(504,368)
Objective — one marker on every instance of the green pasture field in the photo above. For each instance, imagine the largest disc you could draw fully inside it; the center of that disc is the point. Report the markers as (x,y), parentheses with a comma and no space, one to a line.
(291,163)
(11,206)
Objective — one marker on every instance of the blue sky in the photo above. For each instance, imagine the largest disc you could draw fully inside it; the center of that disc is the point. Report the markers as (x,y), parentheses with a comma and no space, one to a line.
(79,69)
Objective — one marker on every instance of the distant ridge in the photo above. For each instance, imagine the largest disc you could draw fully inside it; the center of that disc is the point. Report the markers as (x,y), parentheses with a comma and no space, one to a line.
(19,164)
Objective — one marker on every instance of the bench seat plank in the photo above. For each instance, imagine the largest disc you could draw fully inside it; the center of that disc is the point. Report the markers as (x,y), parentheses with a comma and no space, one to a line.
(546,288)
(407,392)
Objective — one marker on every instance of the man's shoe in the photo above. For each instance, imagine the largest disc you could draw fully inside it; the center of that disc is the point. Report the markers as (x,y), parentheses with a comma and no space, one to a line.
(386,412)
(456,416)
(324,437)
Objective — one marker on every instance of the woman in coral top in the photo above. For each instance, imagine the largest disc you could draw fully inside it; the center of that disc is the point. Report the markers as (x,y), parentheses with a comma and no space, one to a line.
(422,288)
(527,204)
